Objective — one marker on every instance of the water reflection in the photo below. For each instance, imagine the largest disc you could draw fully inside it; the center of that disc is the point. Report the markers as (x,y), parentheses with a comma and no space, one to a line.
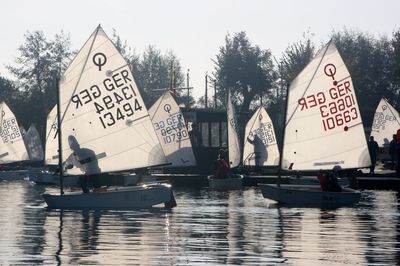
(233,227)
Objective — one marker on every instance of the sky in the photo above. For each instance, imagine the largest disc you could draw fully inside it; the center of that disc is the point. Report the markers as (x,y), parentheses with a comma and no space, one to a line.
(193,30)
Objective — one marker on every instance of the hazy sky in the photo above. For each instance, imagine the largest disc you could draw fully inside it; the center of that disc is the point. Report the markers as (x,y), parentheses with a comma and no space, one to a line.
(193,30)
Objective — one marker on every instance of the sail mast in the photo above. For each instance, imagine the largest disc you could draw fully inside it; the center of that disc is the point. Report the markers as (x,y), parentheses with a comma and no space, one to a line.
(60,159)
(282,137)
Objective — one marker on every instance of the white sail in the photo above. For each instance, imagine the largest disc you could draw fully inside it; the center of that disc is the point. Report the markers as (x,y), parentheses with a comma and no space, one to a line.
(51,147)
(170,127)
(386,123)
(260,145)
(233,136)
(105,125)
(12,147)
(33,144)
(323,123)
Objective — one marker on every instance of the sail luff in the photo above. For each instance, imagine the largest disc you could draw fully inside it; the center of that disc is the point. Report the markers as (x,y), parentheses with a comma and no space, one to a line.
(80,76)
(233,138)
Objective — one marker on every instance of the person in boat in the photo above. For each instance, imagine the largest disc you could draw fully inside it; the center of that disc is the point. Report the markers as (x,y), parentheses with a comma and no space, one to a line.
(329,180)
(392,151)
(373,149)
(86,160)
(260,150)
(221,165)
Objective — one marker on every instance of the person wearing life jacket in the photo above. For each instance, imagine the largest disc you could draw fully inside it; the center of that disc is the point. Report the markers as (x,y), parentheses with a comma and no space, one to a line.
(221,166)
(328,180)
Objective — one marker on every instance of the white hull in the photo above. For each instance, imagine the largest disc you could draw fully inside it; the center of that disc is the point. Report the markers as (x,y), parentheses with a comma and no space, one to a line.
(14,175)
(134,197)
(49,178)
(309,195)
(225,183)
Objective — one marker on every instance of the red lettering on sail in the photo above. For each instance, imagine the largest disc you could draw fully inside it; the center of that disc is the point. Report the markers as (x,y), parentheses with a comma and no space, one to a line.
(336,105)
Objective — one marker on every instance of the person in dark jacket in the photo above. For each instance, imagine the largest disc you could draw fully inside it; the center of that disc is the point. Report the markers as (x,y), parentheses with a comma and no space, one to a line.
(392,152)
(221,166)
(373,149)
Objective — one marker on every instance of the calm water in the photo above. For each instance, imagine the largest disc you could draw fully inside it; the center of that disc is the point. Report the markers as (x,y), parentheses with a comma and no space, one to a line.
(207,227)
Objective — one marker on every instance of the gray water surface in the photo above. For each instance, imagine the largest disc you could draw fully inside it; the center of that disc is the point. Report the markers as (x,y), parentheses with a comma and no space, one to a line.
(207,227)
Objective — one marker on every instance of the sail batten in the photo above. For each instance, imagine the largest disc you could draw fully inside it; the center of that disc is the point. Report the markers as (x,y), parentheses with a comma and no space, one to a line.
(324,126)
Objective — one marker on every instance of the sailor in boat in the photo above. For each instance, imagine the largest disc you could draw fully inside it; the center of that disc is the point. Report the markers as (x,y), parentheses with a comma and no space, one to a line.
(221,165)
(329,179)
(260,150)
(86,160)
(373,149)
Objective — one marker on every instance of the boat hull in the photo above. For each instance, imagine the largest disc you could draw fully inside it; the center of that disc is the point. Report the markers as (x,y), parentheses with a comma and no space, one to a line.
(309,195)
(14,175)
(113,179)
(133,197)
(229,183)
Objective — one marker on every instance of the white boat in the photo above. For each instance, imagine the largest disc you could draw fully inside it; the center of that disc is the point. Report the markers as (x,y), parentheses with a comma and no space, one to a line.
(170,127)
(385,124)
(323,130)
(103,127)
(309,195)
(133,197)
(260,144)
(233,180)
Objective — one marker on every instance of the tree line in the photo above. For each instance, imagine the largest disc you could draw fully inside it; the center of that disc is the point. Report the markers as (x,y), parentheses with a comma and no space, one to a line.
(253,74)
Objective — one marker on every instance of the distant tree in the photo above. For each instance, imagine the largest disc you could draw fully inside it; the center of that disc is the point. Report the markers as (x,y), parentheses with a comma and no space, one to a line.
(155,72)
(395,67)
(8,91)
(368,61)
(40,62)
(152,71)
(244,68)
(126,51)
(294,59)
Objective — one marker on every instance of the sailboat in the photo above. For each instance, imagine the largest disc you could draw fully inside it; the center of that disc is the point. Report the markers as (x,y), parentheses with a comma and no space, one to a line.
(233,181)
(323,131)
(385,124)
(48,174)
(170,127)
(104,126)
(33,144)
(260,144)
(12,146)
